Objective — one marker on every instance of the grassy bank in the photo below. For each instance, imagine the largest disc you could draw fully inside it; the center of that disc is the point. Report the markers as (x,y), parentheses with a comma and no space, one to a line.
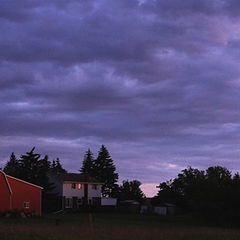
(110,227)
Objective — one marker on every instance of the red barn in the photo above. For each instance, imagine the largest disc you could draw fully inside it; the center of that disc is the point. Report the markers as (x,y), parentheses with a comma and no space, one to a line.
(19,195)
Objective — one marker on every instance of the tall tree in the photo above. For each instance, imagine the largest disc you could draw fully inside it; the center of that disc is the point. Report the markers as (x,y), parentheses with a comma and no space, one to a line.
(12,166)
(34,169)
(56,167)
(105,171)
(88,163)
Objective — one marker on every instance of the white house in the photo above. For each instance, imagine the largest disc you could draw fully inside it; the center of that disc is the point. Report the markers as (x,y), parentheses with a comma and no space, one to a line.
(76,189)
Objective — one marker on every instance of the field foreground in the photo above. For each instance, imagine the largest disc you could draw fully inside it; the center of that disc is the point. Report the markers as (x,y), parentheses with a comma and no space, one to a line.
(110,227)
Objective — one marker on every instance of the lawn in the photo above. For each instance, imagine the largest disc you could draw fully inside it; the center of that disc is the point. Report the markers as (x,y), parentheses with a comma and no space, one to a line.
(110,227)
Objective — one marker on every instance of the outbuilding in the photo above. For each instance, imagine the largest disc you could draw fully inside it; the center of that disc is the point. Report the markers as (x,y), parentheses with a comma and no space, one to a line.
(165,209)
(19,195)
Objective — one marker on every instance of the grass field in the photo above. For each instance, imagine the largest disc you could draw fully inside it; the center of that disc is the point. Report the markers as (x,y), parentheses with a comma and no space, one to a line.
(110,227)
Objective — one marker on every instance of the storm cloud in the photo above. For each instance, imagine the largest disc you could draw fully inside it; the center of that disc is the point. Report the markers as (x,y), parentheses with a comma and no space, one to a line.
(156,81)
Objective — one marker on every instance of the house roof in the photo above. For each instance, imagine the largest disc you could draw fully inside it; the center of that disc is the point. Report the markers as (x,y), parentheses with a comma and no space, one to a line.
(76,177)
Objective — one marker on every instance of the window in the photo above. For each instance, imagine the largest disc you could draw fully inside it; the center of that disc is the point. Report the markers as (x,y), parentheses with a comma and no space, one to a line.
(94,186)
(26,205)
(76,186)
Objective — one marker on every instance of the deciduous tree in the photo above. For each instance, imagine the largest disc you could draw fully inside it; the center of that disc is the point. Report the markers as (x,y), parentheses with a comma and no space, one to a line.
(130,190)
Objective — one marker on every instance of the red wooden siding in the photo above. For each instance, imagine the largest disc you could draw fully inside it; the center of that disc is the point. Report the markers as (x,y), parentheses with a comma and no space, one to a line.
(5,193)
(16,192)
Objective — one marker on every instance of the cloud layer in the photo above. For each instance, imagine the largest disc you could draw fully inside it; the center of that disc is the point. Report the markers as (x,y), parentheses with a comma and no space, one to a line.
(156,81)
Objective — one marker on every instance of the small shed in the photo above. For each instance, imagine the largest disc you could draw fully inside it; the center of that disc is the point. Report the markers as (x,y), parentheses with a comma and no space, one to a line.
(165,209)
(160,210)
(108,201)
(129,206)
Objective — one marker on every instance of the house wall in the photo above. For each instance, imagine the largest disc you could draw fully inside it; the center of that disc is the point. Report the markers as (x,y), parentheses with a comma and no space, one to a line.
(24,192)
(94,192)
(68,191)
(5,194)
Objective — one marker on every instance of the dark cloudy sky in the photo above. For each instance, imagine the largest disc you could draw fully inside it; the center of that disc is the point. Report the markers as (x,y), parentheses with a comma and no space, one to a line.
(156,81)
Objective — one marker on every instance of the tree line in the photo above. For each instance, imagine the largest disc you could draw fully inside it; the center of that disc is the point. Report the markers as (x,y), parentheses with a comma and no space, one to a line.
(34,168)
(213,193)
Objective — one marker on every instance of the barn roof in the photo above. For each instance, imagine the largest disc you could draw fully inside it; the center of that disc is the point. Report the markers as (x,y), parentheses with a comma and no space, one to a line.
(17,179)
(76,177)
(24,182)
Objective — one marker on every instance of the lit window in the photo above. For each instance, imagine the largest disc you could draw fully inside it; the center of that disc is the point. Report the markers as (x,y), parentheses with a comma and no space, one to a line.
(74,185)
(94,186)
(26,205)
(79,186)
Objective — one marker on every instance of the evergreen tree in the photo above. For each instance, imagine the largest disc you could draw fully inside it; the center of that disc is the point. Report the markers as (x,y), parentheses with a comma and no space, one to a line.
(105,171)
(56,167)
(12,166)
(88,163)
(34,169)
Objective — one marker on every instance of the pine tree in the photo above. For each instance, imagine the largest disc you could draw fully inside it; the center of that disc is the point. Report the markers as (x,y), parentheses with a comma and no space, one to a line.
(34,169)
(12,166)
(105,171)
(88,163)
(56,167)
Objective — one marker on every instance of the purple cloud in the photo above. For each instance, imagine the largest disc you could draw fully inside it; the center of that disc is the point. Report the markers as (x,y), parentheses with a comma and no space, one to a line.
(157,82)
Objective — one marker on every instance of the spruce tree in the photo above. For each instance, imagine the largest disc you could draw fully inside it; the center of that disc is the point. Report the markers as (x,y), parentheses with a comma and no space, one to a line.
(56,167)
(105,171)
(12,166)
(88,163)
(34,169)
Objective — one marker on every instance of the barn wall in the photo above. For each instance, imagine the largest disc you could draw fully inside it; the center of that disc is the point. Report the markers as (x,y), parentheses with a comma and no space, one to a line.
(24,192)
(5,195)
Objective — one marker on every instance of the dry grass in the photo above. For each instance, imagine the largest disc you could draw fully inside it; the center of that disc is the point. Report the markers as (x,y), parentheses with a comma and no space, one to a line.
(71,228)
